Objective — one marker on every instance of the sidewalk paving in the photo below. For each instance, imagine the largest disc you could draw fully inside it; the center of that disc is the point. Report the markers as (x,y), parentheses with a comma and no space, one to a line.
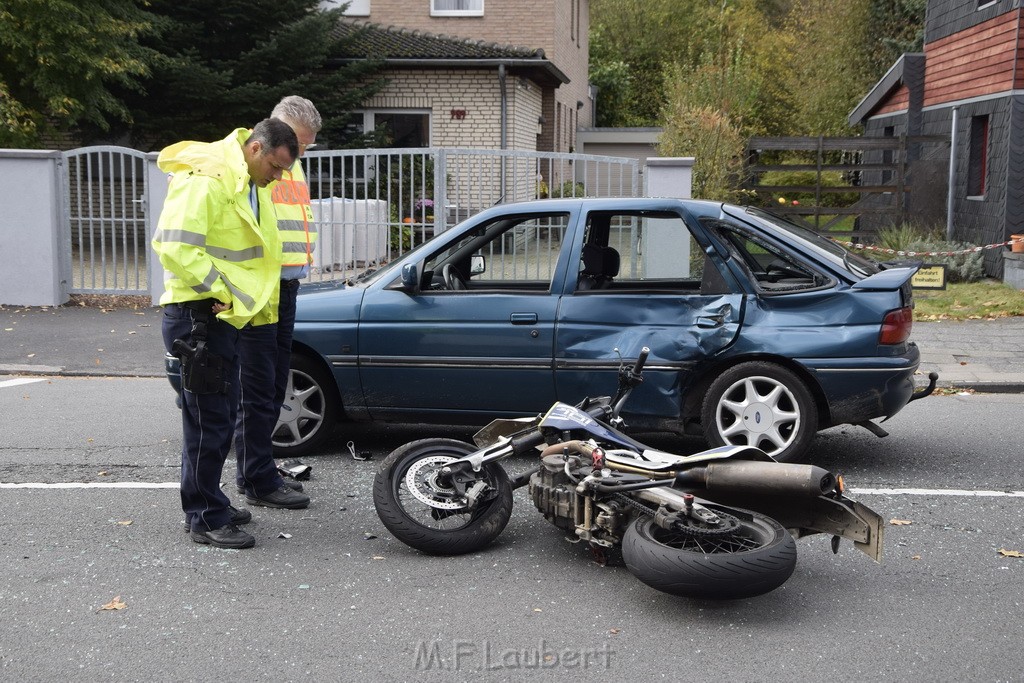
(984,355)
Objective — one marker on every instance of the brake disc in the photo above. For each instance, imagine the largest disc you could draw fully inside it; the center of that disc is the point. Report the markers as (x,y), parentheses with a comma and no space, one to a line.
(422,481)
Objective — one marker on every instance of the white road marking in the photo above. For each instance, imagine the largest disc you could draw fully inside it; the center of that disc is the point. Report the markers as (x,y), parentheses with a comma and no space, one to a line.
(935,492)
(20,380)
(966,493)
(95,485)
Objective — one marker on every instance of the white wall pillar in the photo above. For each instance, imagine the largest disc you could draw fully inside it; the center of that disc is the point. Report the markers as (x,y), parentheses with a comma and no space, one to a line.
(156,182)
(31,236)
(668,177)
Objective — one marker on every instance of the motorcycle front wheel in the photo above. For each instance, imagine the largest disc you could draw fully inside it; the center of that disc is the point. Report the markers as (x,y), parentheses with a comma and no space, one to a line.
(415,504)
(754,556)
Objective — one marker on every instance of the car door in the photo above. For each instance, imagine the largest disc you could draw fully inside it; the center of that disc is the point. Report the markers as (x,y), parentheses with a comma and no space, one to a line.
(484,347)
(666,294)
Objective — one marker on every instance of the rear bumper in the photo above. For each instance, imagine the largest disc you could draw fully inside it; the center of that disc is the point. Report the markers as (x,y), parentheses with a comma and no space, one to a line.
(859,389)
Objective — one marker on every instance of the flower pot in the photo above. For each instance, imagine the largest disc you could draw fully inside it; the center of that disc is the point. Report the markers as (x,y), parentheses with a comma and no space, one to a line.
(1017,247)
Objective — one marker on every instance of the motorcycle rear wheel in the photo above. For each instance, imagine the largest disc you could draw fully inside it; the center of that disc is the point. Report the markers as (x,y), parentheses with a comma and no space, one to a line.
(425,514)
(755,558)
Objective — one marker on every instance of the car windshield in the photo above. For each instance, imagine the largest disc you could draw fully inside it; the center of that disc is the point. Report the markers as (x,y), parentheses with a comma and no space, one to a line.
(827,247)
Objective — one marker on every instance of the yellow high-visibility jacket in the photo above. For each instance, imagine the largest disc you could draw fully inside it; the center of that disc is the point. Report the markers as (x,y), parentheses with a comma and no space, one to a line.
(208,239)
(294,217)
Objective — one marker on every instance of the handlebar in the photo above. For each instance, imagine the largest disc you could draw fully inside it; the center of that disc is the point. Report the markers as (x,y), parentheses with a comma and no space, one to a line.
(628,379)
(640,360)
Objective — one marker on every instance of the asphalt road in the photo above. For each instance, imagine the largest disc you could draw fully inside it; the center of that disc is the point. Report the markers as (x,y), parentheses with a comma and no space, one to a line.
(340,599)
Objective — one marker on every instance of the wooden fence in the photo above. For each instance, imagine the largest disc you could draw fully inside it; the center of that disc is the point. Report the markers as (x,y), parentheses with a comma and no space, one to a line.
(869,178)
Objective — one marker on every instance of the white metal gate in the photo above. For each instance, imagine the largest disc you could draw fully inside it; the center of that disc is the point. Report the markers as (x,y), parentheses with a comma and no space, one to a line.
(105,204)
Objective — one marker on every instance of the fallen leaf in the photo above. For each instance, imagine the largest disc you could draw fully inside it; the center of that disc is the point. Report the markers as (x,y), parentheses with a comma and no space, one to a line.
(1010,553)
(537,609)
(31,355)
(378,557)
(614,631)
(915,557)
(116,603)
(284,535)
(900,522)
(125,522)
(132,332)
(103,473)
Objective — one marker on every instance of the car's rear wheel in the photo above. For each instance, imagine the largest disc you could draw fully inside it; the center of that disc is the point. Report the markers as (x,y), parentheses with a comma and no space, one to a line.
(309,412)
(760,404)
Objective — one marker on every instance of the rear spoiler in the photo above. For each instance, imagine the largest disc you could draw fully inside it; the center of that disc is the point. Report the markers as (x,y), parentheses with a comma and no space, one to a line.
(891,279)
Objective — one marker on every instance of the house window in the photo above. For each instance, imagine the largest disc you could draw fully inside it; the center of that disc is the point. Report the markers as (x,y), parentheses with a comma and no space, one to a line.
(456,8)
(977,164)
(390,127)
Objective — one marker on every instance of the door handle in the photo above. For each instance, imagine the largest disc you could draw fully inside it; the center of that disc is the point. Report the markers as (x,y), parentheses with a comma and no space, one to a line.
(523,319)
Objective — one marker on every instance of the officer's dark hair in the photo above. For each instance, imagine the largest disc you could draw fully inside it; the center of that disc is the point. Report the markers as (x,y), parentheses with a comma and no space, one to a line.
(274,133)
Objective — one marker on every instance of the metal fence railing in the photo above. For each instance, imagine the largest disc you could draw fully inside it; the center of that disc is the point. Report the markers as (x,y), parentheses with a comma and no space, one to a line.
(370,206)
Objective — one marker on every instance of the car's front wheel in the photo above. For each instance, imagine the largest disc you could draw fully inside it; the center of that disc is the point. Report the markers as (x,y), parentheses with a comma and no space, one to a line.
(309,412)
(760,404)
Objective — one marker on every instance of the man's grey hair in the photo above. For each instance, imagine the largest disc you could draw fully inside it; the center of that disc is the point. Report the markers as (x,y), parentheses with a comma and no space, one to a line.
(300,111)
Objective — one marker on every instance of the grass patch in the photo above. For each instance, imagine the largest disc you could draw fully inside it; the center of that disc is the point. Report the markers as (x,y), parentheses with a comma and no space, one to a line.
(969,301)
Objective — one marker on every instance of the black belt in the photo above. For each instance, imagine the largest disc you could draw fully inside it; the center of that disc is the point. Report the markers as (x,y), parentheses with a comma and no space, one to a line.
(199,306)
(291,282)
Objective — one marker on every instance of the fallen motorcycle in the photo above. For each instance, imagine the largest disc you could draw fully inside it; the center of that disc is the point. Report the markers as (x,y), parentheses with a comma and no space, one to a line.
(719,524)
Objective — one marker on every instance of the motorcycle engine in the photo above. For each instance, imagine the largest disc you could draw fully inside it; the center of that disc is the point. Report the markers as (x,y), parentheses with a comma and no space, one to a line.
(556,495)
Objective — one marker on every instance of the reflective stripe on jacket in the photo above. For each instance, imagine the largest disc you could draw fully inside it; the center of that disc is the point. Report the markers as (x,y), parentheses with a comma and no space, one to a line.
(294,217)
(208,239)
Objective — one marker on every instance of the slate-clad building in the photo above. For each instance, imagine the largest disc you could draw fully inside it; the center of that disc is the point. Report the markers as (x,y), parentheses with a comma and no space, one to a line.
(972,65)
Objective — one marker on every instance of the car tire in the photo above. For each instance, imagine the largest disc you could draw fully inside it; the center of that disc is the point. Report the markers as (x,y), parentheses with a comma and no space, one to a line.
(310,410)
(763,405)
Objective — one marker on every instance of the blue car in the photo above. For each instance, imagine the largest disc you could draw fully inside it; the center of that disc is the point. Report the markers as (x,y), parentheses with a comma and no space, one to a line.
(761,332)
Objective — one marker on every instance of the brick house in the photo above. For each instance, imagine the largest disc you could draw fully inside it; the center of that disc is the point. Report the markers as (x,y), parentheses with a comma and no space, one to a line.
(508,74)
(970,72)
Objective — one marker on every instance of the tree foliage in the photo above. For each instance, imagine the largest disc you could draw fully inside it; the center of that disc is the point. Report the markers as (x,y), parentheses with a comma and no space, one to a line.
(62,60)
(222,65)
(713,139)
(776,67)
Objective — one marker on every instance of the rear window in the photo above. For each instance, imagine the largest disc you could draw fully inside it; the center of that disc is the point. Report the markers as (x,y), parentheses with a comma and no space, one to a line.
(827,248)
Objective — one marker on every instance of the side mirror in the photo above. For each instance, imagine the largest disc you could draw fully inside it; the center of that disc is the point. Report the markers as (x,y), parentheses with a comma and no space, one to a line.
(410,277)
(477,264)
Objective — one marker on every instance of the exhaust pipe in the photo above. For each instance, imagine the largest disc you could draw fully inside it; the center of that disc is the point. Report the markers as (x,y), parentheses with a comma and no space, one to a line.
(759,478)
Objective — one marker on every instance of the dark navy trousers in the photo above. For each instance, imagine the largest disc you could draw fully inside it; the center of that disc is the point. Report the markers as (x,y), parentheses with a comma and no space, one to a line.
(207,422)
(257,412)
(266,361)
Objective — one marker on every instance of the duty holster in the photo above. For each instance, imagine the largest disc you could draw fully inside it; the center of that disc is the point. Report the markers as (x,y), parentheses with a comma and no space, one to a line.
(202,371)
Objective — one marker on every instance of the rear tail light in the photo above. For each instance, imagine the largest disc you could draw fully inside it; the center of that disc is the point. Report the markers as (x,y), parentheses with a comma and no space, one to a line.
(896,326)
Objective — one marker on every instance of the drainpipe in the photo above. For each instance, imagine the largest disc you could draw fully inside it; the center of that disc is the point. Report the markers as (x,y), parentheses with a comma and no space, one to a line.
(504,125)
(952,176)
(504,106)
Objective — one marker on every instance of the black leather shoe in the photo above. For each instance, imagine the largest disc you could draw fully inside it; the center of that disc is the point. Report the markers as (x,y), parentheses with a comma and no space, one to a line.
(237,517)
(228,536)
(283,497)
(290,483)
